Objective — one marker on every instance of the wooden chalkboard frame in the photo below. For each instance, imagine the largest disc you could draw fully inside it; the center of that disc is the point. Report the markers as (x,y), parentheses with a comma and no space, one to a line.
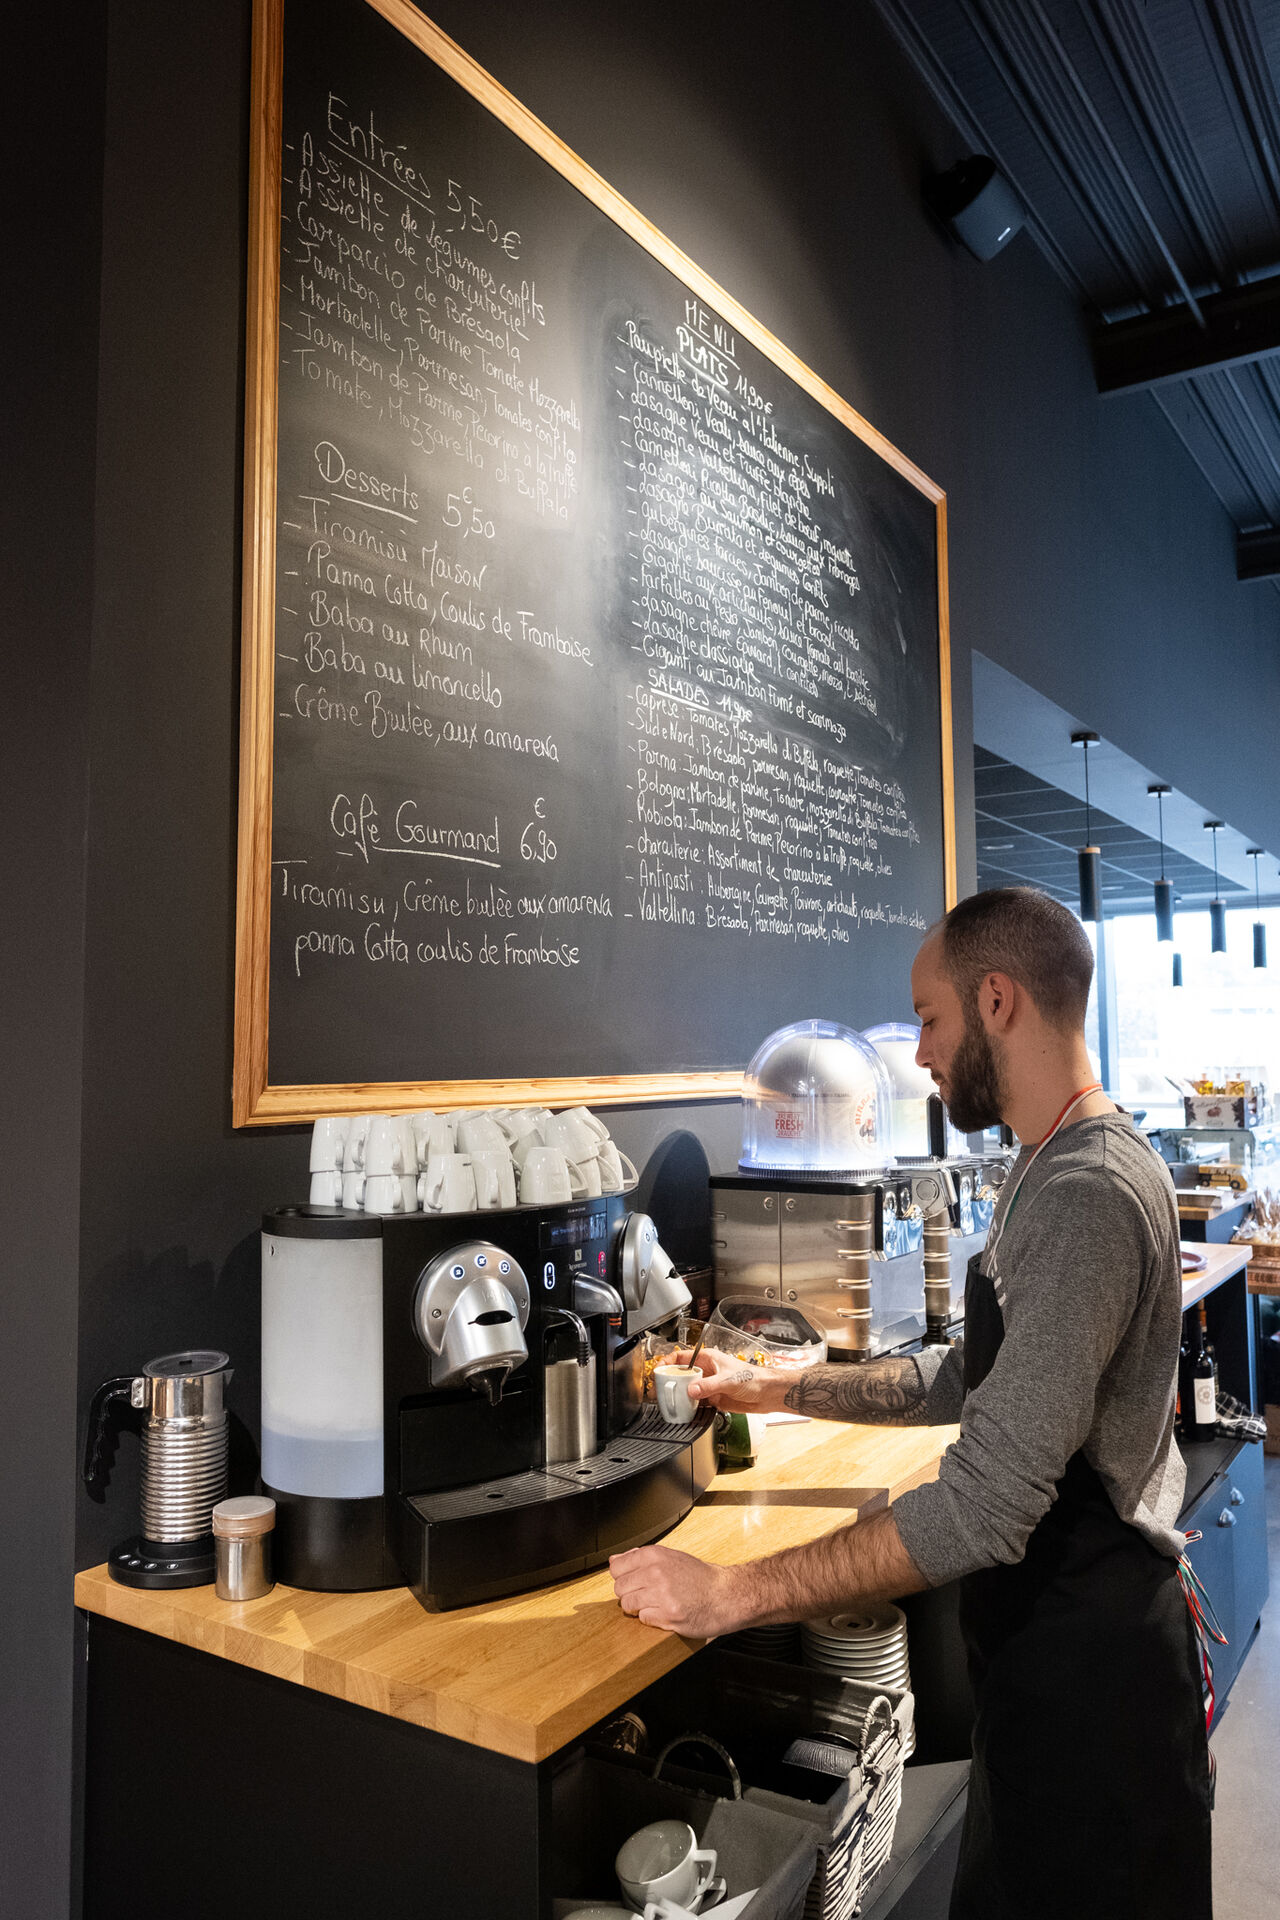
(255,1102)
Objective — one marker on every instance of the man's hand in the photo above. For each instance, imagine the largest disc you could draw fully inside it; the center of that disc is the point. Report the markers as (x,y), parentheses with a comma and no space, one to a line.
(674,1591)
(734,1386)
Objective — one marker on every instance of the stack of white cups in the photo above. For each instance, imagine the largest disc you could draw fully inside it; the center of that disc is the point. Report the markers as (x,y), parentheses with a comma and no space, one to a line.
(475,1160)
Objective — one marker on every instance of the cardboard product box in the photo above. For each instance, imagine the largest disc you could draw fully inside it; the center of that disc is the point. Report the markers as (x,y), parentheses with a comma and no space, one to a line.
(1217,1110)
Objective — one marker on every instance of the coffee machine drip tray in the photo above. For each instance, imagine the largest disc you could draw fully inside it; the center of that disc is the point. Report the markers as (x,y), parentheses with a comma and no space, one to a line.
(495,1537)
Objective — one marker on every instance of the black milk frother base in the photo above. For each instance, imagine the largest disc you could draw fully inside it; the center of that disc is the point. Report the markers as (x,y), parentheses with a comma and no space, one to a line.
(137,1562)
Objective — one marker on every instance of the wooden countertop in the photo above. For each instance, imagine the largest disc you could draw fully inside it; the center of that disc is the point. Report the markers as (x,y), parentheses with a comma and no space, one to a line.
(524,1676)
(1221,1261)
(1188,1210)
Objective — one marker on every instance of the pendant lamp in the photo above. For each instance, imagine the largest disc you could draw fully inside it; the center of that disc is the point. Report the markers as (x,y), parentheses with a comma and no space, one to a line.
(1163,887)
(1089,858)
(1259,929)
(1217,907)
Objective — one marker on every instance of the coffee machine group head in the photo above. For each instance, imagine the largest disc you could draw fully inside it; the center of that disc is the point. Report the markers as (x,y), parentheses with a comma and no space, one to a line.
(470,1312)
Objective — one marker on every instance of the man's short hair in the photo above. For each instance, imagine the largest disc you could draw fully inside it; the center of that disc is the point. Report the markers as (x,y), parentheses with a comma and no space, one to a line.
(1035,940)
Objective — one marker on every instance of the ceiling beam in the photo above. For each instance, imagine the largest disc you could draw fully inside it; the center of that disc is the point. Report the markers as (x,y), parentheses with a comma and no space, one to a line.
(1130,356)
(1258,555)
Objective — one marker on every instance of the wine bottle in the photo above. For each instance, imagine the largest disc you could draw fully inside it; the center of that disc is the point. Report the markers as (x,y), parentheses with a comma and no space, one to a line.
(1186,1394)
(1204,1383)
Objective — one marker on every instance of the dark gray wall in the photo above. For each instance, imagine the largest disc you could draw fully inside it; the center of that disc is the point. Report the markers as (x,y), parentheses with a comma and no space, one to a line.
(785,153)
(46,509)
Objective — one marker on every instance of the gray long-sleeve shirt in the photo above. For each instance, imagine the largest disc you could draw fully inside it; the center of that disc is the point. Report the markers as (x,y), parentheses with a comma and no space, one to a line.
(1088,1278)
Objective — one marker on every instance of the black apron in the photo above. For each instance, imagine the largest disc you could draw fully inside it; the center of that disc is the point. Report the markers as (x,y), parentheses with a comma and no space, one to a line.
(1089,1789)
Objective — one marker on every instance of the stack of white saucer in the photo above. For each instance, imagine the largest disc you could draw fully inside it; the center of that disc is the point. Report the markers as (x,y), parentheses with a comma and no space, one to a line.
(473,1160)
(767,1643)
(868,1643)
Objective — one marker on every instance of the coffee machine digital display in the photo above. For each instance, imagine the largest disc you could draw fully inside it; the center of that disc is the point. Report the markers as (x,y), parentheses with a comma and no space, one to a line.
(455,1401)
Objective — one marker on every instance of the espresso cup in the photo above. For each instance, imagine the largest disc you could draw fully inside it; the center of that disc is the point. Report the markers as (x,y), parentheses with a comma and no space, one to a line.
(480,1130)
(587,1173)
(326,1187)
(518,1122)
(448,1185)
(409,1189)
(671,1390)
(384,1146)
(616,1170)
(546,1178)
(495,1177)
(353,1144)
(353,1188)
(383,1193)
(575,1141)
(589,1120)
(526,1143)
(663,1861)
(327,1138)
(434,1133)
(410,1161)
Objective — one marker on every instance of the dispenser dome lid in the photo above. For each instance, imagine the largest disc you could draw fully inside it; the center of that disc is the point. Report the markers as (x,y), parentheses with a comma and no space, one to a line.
(911,1088)
(815,1099)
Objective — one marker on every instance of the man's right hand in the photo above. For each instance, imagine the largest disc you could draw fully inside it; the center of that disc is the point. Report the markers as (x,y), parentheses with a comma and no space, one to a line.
(734,1386)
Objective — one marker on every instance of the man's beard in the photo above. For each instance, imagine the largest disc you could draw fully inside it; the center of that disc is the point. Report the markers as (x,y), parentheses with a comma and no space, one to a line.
(975,1093)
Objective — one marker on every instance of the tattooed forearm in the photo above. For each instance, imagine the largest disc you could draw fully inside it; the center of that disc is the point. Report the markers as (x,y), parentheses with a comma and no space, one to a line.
(884,1393)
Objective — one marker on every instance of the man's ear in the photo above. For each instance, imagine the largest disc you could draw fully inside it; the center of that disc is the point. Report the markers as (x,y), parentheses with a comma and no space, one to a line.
(997,999)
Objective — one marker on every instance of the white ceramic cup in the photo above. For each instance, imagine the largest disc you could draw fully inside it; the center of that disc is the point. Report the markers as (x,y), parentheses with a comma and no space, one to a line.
(409,1144)
(409,1189)
(327,1138)
(434,1134)
(326,1187)
(383,1193)
(518,1122)
(384,1146)
(353,1144)
(495,1177)
(663,1861)
(353,1188)
(575,1140)
(587,1174)
(547,1179)
(479,1130)
(671,1390)
(448,1185)
(616,1170)
(591,1121)
(525,1144)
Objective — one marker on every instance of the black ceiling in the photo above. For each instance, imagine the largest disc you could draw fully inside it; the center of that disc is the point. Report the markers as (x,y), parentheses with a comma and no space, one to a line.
(1029,832)
(1143,138)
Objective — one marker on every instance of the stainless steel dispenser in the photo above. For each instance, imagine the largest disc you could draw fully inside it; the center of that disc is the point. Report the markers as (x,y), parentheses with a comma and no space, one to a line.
(184,1465)
(854,1195)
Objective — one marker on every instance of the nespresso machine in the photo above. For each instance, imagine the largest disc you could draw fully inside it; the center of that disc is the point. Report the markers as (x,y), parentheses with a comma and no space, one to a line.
(854,1193)
(455,1401)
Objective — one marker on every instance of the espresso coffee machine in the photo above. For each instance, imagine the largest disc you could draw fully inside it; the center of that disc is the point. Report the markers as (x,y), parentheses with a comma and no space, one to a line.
(455,1401)
(855,1199)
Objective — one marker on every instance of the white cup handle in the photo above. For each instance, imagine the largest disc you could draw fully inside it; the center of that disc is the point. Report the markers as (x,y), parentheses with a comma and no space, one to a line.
(628,1166)
(491,1195)
(708,1858)
(577,1179)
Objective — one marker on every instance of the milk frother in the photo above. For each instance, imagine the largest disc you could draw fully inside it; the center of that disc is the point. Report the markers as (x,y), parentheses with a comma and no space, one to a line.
(183,1428)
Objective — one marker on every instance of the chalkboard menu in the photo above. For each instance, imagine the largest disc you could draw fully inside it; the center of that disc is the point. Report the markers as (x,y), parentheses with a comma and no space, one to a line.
(596,709)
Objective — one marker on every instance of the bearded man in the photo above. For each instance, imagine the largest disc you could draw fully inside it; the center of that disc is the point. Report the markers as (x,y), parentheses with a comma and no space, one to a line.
(1056,1507)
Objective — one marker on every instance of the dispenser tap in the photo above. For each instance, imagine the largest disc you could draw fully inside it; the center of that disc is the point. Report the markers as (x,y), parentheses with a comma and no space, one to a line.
(569,1318)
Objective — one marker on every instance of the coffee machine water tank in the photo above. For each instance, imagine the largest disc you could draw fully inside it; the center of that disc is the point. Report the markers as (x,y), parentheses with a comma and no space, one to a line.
(816,1098)
(322,1362)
